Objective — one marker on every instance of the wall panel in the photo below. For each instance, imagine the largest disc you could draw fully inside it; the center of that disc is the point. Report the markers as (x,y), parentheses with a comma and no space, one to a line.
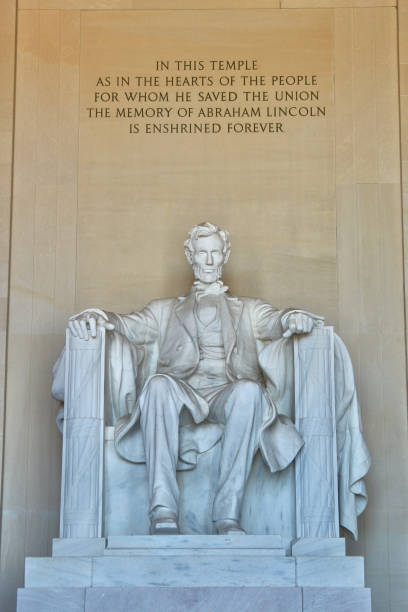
(274,193)
(42,285)
(7,69)
(398,519)
(370,269)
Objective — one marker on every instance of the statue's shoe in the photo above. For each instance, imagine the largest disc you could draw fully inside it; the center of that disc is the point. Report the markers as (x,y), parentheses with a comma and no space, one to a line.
(163,522)
(229,527)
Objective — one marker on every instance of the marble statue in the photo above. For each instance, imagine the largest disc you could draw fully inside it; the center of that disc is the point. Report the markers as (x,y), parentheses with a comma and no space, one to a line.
(185,373)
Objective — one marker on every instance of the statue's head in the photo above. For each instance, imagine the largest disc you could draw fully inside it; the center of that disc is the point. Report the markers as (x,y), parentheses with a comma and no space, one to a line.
(207,249)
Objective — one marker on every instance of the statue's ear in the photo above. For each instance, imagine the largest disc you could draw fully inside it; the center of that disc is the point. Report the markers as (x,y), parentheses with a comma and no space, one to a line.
(226,256)
(188,255)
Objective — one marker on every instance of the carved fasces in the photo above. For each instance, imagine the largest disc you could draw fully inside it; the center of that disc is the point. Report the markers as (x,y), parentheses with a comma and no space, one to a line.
(82,456)
(317,512)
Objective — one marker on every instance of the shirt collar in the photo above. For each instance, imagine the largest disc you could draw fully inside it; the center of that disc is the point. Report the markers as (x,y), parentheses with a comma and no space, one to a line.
(201,289)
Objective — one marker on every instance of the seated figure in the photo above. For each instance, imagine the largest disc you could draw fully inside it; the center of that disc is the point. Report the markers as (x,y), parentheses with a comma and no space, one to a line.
(187,372)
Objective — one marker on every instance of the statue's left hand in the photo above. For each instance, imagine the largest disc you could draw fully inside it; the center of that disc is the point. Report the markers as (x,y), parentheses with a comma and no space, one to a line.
(300,322)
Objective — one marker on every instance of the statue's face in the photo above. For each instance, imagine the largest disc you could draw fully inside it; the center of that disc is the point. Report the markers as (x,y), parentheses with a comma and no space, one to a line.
(207,258)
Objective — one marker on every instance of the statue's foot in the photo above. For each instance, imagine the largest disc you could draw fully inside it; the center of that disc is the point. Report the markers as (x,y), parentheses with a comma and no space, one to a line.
(229,527)
(164,527)
(163,522)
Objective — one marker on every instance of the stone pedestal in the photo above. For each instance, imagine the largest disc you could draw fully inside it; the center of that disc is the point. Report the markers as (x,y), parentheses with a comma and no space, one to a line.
(188,573)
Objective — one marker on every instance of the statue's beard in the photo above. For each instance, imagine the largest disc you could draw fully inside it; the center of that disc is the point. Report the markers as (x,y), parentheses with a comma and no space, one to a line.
(204,276)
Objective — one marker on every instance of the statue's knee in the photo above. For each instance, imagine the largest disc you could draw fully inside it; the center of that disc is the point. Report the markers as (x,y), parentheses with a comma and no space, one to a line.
(247,388)
(155,395)
(158,384)
(245,400)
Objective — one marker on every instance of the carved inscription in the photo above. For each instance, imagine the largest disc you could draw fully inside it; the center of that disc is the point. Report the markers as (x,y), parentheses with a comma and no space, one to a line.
(195,96)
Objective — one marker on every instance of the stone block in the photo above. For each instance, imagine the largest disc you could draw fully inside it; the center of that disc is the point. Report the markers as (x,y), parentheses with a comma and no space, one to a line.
(51,600)
(188,599)
(319,547)
(58,572)
(197,552)
(330,571)
(336,599)
(230,542)
(78,547)
(190,570)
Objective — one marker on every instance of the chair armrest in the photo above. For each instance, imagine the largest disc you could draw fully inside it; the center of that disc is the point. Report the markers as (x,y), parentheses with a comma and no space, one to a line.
(317,509)
(83,433)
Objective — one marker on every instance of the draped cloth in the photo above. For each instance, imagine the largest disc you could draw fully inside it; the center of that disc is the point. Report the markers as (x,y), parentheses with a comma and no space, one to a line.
(353,457)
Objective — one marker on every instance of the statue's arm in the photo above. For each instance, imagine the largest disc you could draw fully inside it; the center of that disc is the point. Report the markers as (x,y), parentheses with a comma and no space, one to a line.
(139,327)
(272,324)
(267,321)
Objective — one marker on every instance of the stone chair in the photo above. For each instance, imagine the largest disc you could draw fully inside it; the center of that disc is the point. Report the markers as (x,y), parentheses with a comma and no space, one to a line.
(104,495)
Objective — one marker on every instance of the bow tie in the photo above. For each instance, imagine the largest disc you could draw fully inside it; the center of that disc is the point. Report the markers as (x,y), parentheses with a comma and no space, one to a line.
(202,289)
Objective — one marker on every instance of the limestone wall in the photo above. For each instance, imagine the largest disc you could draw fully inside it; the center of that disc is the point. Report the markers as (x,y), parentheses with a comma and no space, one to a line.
(7,69)
(100,214)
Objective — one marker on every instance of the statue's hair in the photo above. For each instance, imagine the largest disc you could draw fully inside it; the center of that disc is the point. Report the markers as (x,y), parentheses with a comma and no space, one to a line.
(206,229)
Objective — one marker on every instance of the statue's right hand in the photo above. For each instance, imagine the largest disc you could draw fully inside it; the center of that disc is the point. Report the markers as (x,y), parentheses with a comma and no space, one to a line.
(85,324)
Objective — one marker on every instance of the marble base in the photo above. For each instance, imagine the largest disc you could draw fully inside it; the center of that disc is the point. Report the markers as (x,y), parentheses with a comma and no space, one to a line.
(51,600)
(183,572)
(194,599)
(330,571)
(235,542)
(185,560)
(319,547)
(204,545)
(78,547)
(336,599)
(191,570)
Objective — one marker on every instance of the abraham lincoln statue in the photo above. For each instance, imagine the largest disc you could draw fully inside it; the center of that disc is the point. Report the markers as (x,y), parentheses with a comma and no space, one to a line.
(214,356)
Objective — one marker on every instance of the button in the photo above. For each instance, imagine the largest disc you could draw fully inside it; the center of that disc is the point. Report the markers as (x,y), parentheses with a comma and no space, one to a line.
(235,350)
(179,347)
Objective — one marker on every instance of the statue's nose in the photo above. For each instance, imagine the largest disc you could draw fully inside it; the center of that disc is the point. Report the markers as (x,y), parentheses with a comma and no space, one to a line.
(210,260)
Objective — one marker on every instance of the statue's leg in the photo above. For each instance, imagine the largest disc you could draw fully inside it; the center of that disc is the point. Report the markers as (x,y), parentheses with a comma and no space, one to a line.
(240,407)
(159,421)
